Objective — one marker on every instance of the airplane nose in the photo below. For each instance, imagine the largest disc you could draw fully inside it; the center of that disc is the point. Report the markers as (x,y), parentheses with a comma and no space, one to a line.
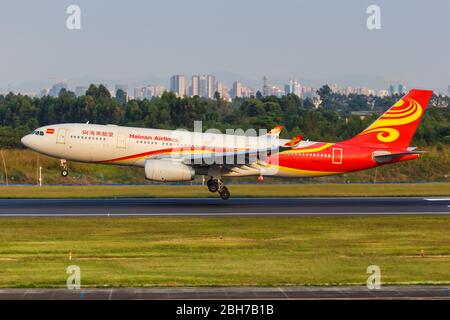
(26,140)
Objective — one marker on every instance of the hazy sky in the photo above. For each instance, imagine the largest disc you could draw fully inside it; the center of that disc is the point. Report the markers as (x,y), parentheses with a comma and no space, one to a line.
(282,39)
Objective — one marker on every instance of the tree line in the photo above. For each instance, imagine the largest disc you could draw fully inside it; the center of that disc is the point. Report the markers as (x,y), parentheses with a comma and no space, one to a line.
(331,122)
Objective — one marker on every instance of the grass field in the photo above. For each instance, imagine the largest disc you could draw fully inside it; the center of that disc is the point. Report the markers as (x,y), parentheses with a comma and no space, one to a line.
(223,251)
(242,190)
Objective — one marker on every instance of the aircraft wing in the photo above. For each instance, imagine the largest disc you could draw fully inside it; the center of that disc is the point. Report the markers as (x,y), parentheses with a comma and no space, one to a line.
(210,157)
(235,160)
(243,157)
(231,158)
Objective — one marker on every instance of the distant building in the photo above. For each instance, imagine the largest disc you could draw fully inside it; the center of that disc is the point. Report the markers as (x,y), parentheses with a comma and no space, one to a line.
(121,93)
(236,91)
(122,87)
(121,96)
(158,90)
(56,88)
(80,91)
(153,91)
(363,91)
(448,91)
(139,93)
(149,92)
(210,86)
(335,88)
(391,90)
(226,93)
(44,92)
(401,89)
(275,91)
(178,85)
(223,91)
(195,86)
(348,90)
(248,92)
(383,93)
(309,93)
(219,88)
(203,86)
(293,87)
(202,92)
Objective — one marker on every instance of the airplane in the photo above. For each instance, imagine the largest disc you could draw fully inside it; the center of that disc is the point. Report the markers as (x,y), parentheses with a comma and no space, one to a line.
(177,155)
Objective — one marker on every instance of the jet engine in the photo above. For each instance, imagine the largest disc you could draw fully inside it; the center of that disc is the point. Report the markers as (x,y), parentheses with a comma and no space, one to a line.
(168,170)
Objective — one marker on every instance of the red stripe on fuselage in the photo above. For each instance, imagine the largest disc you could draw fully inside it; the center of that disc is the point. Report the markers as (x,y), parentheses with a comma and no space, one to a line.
(137,155)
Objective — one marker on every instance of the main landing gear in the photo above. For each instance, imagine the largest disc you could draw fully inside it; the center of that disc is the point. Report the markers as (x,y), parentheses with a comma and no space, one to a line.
(216,185)
(64,171)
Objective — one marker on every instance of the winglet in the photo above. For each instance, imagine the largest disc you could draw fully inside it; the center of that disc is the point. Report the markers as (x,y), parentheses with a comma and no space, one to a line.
(275,131)
(293,142)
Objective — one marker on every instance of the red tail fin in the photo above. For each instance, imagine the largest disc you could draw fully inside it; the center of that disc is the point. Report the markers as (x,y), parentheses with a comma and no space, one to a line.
(396,127)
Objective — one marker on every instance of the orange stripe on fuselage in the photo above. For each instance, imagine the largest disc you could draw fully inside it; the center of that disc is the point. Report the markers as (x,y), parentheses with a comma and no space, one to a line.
(311,149)
(304,172)
(136,156)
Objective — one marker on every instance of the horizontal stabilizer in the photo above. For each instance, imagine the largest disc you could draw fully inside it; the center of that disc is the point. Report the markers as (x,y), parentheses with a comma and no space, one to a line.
(387,157)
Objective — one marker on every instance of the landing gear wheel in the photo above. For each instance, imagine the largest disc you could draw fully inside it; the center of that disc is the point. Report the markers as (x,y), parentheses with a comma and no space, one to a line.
(213,185)
(224,193)
(63,164)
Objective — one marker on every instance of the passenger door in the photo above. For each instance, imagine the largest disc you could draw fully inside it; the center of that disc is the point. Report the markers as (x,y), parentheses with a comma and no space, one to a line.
(337,156)
(61,137)
(121,140)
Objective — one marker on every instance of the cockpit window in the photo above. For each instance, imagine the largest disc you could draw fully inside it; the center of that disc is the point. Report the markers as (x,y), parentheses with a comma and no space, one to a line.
(38,133)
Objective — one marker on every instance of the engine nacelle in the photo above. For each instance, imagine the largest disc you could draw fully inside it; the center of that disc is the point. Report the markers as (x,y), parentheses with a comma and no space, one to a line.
(168,170)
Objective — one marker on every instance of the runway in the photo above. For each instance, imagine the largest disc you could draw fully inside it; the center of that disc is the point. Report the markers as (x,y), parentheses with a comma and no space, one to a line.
(218,207)
(282,293)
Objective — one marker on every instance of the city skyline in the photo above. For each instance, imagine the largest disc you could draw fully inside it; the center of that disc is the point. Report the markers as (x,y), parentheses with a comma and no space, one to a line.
(302,41)
(207,86)
(226,78)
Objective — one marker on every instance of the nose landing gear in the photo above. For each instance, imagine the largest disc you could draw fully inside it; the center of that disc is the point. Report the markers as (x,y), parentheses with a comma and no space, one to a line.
(64,171)
(216,185)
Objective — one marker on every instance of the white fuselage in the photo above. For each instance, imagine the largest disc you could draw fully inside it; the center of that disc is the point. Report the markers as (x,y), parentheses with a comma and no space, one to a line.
(111,144)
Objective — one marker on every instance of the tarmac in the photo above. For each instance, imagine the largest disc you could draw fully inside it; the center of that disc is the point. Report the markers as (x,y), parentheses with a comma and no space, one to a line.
(280,293)
(218,207)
